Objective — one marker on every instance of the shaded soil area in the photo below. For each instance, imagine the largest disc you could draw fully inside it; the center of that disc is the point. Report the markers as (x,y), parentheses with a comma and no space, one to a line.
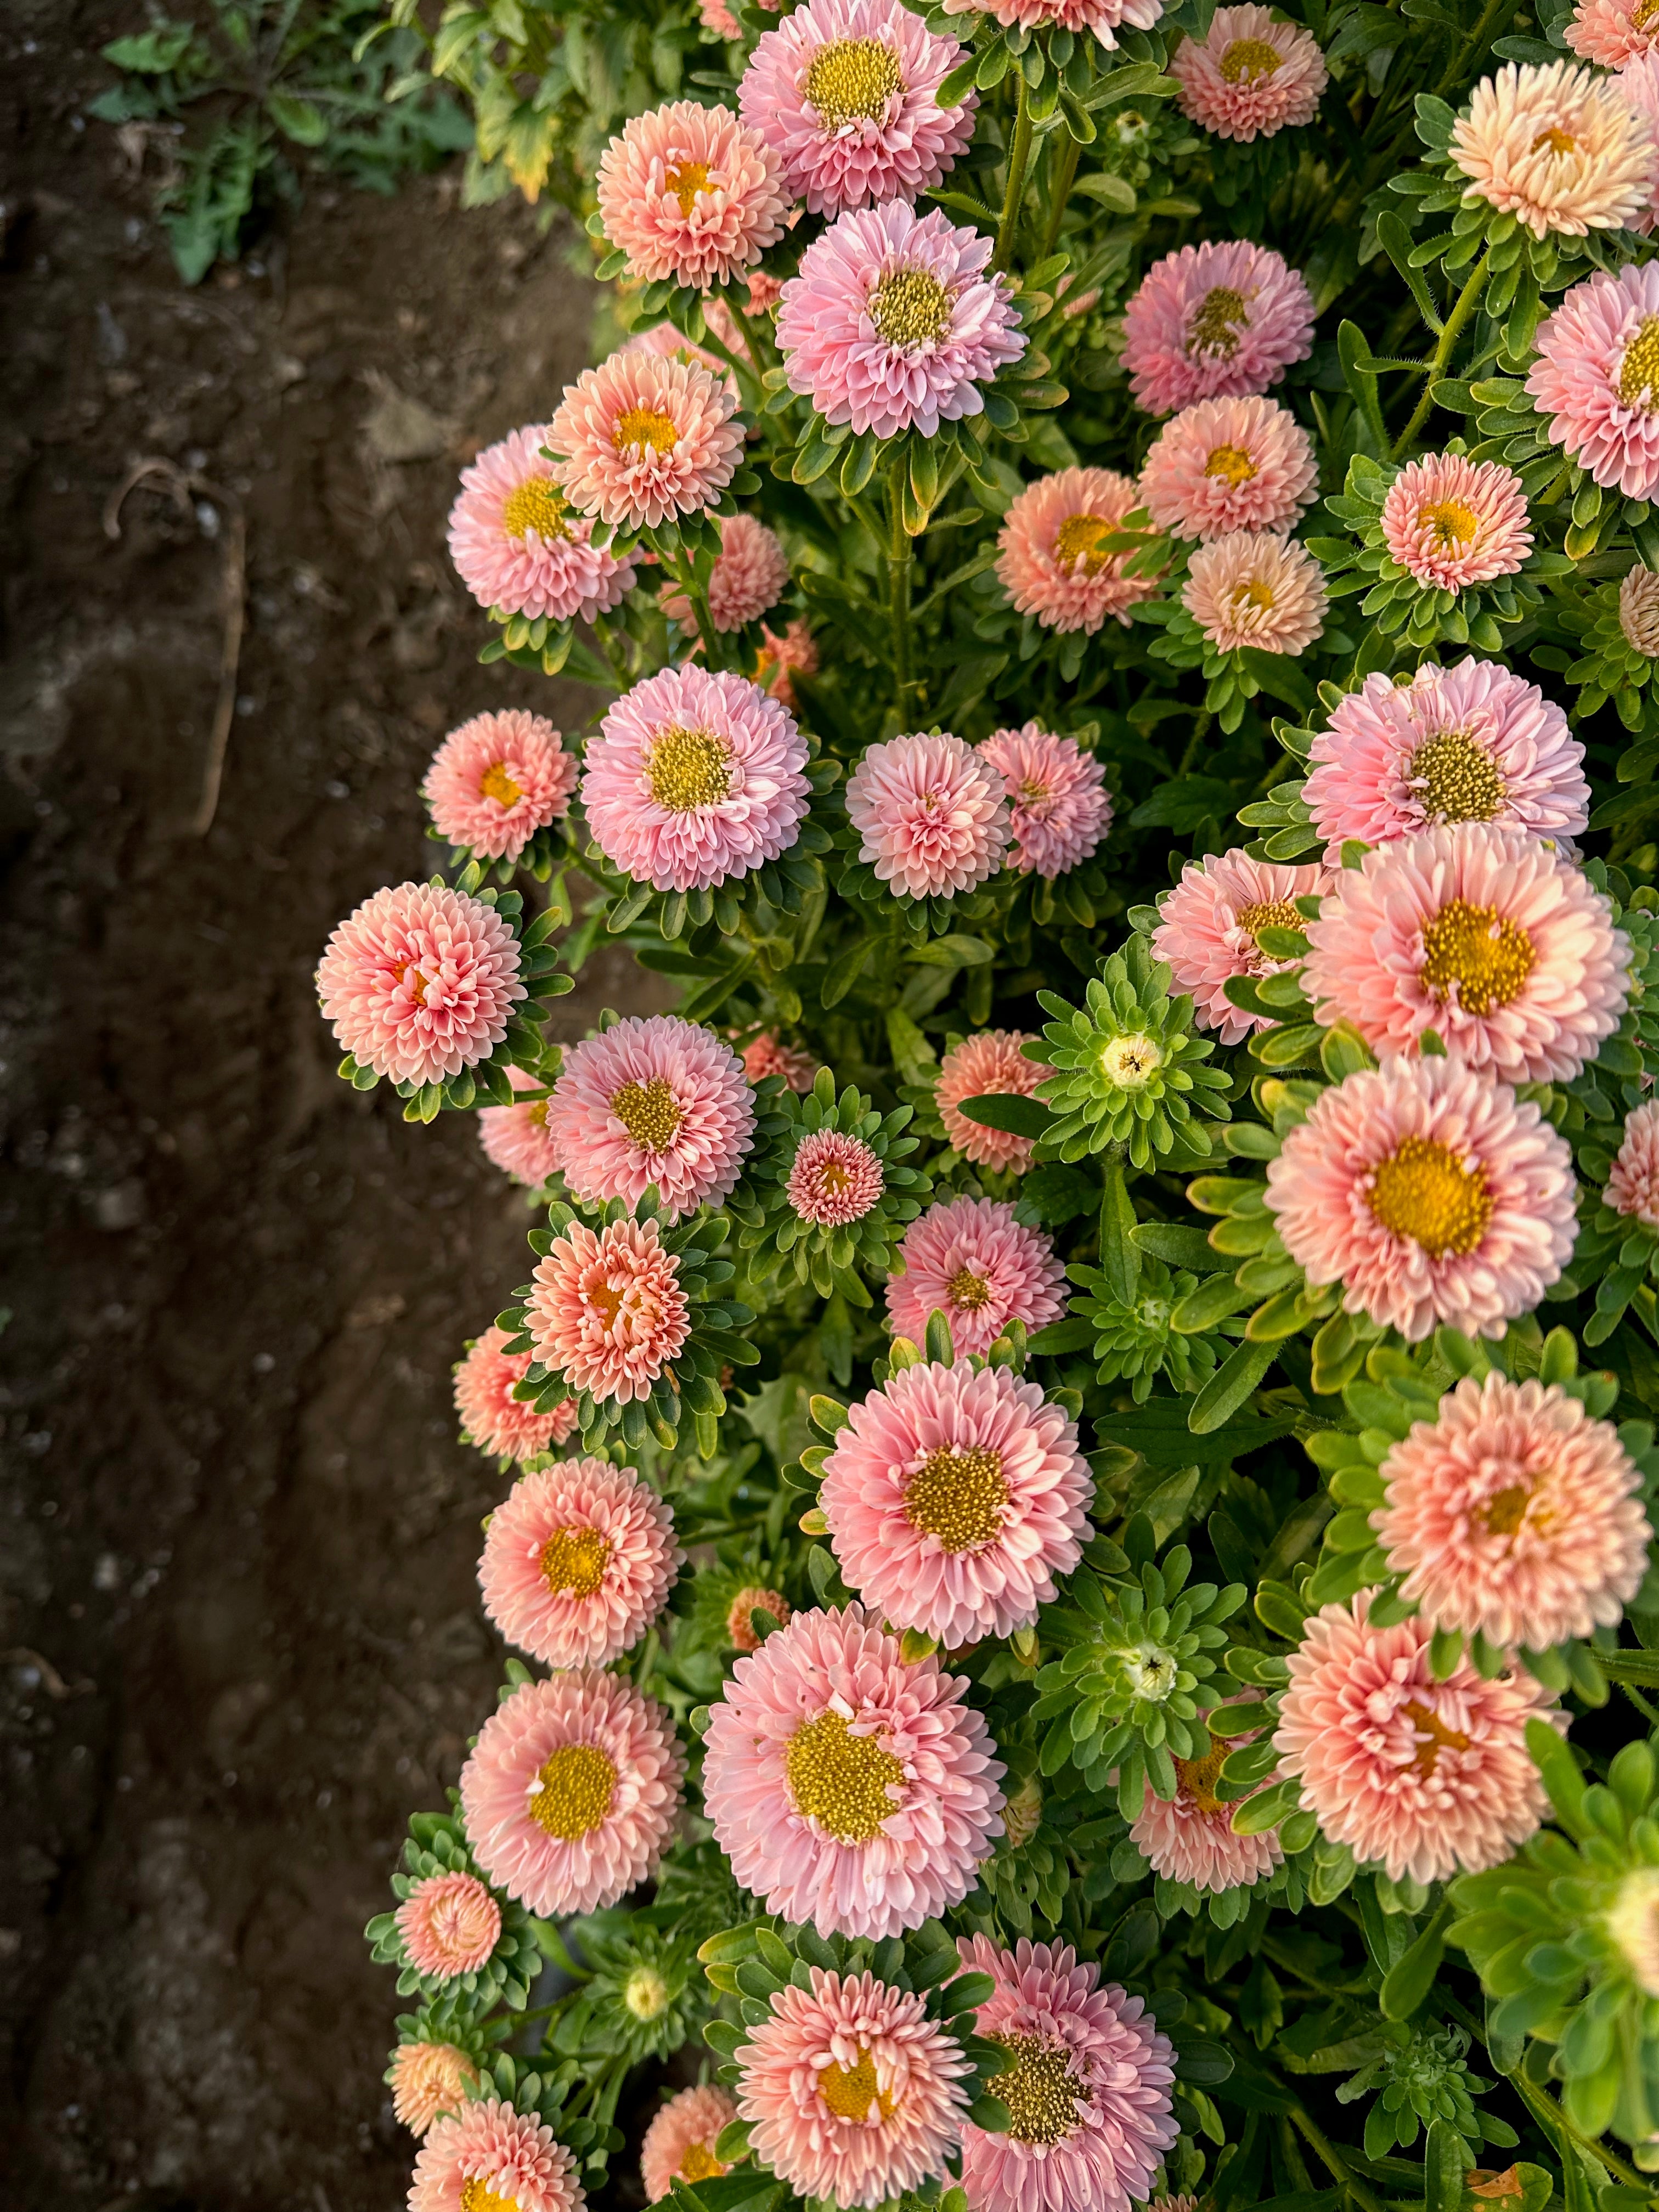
(238,1633)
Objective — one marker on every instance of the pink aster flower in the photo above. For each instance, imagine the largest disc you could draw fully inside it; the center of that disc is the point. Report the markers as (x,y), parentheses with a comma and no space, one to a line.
(765,1056)
(986,1063)
(835,1178)
(1430,1193)
(1208,926)
(578,1563)
(643,439)
(571,1791)
(485,2156)
(517,544)
(843,92)
(654,1100)
(1451,522)
(1088,2093)
(931,816)
(494,1420)
(1633,1183)
(1639,610)
(1514,1515)
(1596,377)
(1059,809)
(1557,146)
(679,2143)
(449,1923)
(954,1498)
(1484,935)
(1252,589)
(850,1787)
(420,982)
(607,1311)
(970,1260)
(1227,464)
(427,2079)
(1426,1777)
(1214,321)
(1612,31)
(1102,18)
(748,576)
(690,193)
(780,656)
(515,1139)
(694,779)
(851,2094)
(1050,559)
(892,322)
(1470,743)
(664,340)
(1189,1836)
(1251,76)
(751,1599)
(497,779)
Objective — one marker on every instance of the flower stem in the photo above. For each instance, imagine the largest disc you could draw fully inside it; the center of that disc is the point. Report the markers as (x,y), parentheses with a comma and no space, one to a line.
(1551,2117)
(1061,192)
(1466,301)
(1019,155)
(1332,2159)
(900,555)
(685,575)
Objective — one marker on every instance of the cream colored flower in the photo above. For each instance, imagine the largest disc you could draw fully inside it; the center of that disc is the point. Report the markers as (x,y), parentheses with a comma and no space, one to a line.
(1559,147)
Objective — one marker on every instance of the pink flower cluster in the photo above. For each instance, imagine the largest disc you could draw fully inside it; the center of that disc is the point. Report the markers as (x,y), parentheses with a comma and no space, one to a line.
(1059,811)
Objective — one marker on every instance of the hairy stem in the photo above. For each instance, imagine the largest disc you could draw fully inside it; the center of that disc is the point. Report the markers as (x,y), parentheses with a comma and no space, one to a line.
(1332,2161)
(900,555)
(1059,193)
(1020,156)
(1466,301)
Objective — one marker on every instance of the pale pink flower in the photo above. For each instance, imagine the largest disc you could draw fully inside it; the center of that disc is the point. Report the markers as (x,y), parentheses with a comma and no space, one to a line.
(985,1064)
(690,193)
(1596,377)
(1633,1183)
(931,816)
(665,340)
(1252,75)
(1451,522)
(515,1139)
(1074,2043)
(852,2092)
(970,1260)
(748,577)
(1050,560)
(892,322)
(1514,1515)
(1207,928)
(694,779)
(1256,590)
(1189,1836)
(1557,146)
(843,92)
(1483,935)
(427,2079)
(1214,321)
(954,1498)
(517,544)
(653,1099)
(497,779)
(420,982)
(717,17)
(1227,464)
(1430,1193)
(1639,610)
(578,1562)
(835,1178)
(1102,18)
(643,439)
(780,656)
(449,1923)
(848,1786)
(492,1419)
(751,1598)
(485,2157)
(1639,81)
(679,2143)
(1474,742)
(763,1055)
(765,290)
(1058,809)
(607,1312)
(1425,1776)
(1612,31)
(571,1791)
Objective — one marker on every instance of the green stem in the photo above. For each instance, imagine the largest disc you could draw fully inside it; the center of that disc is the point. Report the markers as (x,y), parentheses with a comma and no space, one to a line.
(1332,2159)
(1550,2115)
(746,372)
(685,574)
(757,352)
(1059,193)
(900,555)
(1471,45)
(1468,299)
(1019,155)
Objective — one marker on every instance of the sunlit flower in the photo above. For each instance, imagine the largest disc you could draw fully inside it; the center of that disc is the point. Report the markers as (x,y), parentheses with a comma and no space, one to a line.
(985,1063)
(420,982)
(1104,18)
(515,1139)
(689,191)
(485,2156)
(1639,610)
(781,655)
(679,2143)
(1250,76)
(1058,811)
(1633,1182)
(837,1178)
(1451,522)
(1557,146)
(1227,464)
(1596,377)
(1050,558)
(1190,1837)
(491,1416)
(972,1261)
(1253,589)
(449,1925)
(1612,31)
(752,1599)
(517,542)
(653,1099)
(763,1055)
(748,576)
(427,2079)
(932,816)
(1214,321)
(1208,925)
(643,439)
(607,1311)
(578,1562)
(497,779)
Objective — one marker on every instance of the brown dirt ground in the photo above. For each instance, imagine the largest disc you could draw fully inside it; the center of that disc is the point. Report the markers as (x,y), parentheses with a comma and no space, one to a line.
(239,1635)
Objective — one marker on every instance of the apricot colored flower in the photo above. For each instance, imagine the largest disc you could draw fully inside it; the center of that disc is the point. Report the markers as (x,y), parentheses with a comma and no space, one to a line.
(1229,464)
(486,2155)
(986,1063)
(1451,522)
(449,1925)
(763,1055)
(1251,75)
(507,1427)
(1612,31)
(1190,1837)
(515,1139)
(1208,926)
(420,982)
(1051,560)
(748,577)
(607,1312)
(1557,146)
(971,1259)
(497,779)
(427,2079)
(1253,589)
(578,1562)
(519,546)
(641,438)
(837,1178)
(679,2143)
(653,1099)
(690,193)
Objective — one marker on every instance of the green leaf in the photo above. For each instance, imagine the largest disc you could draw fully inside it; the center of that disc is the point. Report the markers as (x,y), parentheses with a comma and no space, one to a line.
(1408,1982)
(1008,1110)
(1230,1386)
(301,120)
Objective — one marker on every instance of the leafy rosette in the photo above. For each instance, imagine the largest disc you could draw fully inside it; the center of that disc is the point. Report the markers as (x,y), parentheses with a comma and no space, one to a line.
(639,1992)
(1614,668)
(465,1947)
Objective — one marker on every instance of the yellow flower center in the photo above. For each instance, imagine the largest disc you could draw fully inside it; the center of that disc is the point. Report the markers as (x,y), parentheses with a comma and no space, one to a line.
(1267,914)
(575,1559)
(577,1786)
(1433,1737)
(645,1993)
(1255,591)
(606,1301)
(537,504)
(685,181)
(1638,372)
(1232,463)
(909,309)
(648,1112)
(1489,959)
(835,1177)
(1643,13)
(637,427)
(1505,1510)
(1077,542)
(958,1497)
(1458,778)
(1040,2090)
(1198,1777)
(1216,325)
(852,80)
(969,1290)
(1247,61)
(1556,139)
(1449,522)
(1130,1062)
(418,989)
(699,2163)
(479,2197)
(1424,1191)
(850,2095)
(689,768)
(496,783)
(843,1782)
